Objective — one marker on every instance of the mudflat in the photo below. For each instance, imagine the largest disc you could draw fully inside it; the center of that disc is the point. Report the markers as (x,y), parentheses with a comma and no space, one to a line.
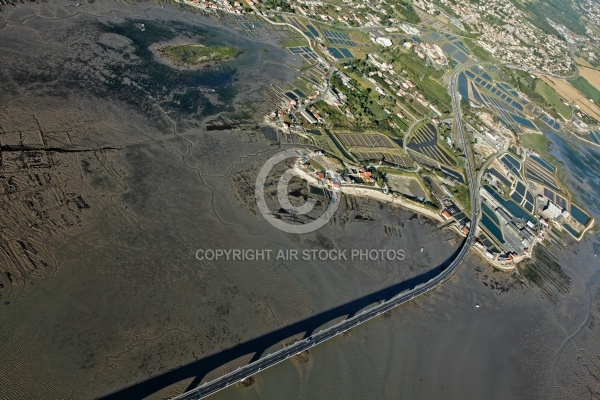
(114,176)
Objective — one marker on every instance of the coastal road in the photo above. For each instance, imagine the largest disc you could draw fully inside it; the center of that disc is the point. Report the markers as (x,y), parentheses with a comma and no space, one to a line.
(275,358)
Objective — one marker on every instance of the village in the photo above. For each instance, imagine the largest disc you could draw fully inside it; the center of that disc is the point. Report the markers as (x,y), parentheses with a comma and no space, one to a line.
(372,116)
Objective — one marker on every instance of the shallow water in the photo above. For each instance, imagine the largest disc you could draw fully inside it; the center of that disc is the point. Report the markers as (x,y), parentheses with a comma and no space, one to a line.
(583,170)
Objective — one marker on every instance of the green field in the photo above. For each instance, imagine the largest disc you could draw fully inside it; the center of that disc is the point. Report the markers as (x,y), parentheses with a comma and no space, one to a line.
(478,51)
(553,99)
(294,42)
(196,54)
(537,142)
(586,89)
(462,197)
(365,103)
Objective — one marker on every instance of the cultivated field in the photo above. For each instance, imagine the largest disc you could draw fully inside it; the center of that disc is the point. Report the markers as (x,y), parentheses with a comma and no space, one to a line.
(564,89)
(553,99)
(591,75)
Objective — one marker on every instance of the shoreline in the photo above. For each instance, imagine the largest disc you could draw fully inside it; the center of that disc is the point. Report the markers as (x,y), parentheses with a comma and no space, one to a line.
(376,195)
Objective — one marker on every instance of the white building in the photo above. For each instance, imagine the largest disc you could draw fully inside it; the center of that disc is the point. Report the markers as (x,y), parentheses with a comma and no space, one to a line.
(552,211)
(384,41)
(409,29)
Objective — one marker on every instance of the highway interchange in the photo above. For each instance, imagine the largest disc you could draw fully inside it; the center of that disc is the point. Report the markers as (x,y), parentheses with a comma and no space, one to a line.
(272,359)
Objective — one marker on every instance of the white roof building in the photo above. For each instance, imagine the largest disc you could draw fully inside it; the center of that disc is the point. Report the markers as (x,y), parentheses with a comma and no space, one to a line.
(384,41)
(552,211)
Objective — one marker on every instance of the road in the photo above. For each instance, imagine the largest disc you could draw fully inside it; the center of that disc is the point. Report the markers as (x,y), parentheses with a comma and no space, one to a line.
(275,358)
(380,196)
(466,146)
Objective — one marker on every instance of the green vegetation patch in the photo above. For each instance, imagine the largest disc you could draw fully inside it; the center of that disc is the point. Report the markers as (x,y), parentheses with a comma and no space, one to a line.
(363,101)
(586,89)
(407,10)
(479,51)
(537,142)
(427,79)
(528,85)
(294,42)
(194,54)
(560,11)
(553,98)
(462,197)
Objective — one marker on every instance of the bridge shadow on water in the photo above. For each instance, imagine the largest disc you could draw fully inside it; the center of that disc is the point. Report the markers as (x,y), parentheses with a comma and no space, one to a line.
(257,346)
